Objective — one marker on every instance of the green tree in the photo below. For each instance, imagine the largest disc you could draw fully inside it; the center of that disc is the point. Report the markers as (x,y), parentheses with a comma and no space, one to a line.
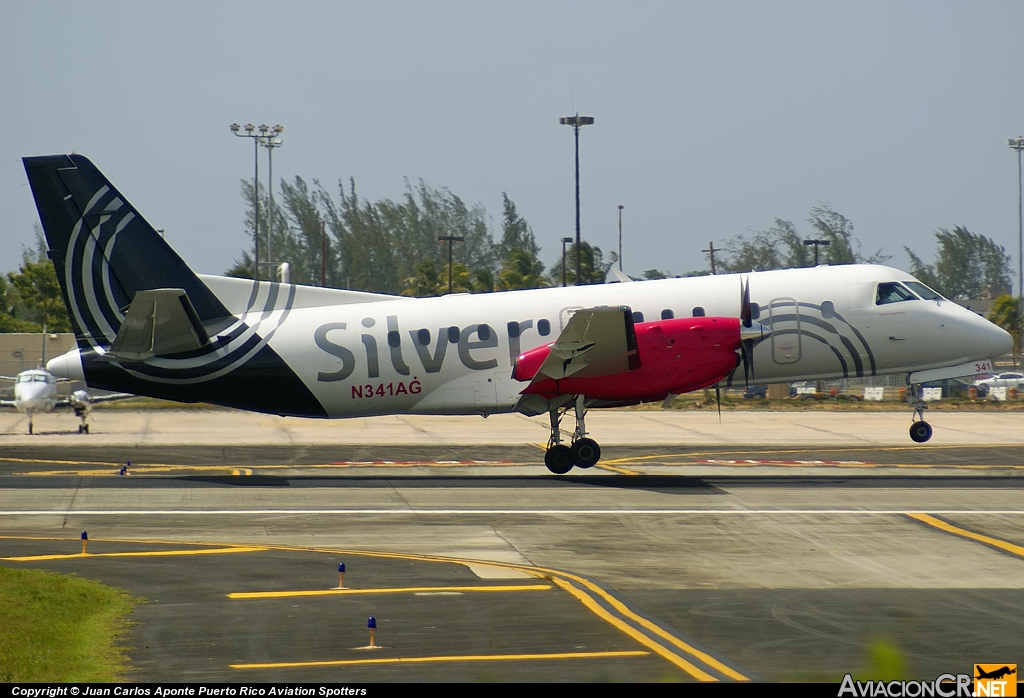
(1005,312)
(521,269)
(965,263)
(32,299)
(843,248)
(593,267)
(653,274)
(516,233)
(425,282)
(752,252)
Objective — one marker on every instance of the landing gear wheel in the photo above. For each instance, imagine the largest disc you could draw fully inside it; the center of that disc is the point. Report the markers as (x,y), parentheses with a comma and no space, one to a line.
(81,428)
(559,459)
(586,453)
(920,432)
(86,428)
(30,427)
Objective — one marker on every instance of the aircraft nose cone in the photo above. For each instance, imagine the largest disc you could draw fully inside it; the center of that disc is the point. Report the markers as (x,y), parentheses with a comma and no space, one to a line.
(999,341)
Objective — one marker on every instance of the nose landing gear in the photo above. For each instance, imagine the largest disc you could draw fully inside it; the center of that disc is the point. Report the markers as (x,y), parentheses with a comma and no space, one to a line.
(584,452)
(920,430)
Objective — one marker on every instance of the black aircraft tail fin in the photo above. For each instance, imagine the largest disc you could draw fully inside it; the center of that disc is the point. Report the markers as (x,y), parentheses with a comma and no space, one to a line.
(103,250)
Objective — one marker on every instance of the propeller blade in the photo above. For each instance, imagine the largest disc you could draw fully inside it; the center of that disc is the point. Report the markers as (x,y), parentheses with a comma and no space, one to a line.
(745,318)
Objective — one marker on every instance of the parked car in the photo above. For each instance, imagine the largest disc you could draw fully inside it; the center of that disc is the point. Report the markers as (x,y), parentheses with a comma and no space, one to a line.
(756,391)
(951,387)
(1010,379)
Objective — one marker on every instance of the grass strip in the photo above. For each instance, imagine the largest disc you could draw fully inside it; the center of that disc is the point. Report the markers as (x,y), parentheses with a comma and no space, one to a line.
(61,628)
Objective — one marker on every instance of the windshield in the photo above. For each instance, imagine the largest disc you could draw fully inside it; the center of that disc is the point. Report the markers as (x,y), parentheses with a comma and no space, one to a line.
(893,293)
(923,291)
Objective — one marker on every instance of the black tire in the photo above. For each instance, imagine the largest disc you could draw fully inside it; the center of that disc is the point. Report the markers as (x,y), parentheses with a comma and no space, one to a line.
(30,427)
(920,432)
(586,453)
(86,428)
(558,459)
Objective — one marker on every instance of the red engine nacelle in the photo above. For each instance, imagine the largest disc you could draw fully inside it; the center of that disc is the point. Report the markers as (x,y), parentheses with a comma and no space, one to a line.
(677,356)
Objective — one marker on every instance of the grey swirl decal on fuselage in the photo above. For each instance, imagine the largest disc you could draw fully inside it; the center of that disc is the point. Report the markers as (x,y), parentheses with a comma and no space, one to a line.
(856,346)
(784,323)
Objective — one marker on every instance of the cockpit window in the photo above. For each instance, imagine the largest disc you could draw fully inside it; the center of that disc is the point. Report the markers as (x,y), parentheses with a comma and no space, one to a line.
(893,293)
(923,291)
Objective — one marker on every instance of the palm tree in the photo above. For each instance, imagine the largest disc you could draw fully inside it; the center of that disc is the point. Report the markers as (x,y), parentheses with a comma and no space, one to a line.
(425,282)
(1005,312)
(521,269)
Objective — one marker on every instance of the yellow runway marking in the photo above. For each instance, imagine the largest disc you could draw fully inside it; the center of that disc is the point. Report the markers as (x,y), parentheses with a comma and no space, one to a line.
(241,471)
(395,590)
(148,553)
(456,658)
(964,533)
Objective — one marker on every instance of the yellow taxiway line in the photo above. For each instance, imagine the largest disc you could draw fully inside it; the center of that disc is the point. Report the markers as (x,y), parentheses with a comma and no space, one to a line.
(386,590)
(1011,548)
(148,553)
(582,589)
(454,658)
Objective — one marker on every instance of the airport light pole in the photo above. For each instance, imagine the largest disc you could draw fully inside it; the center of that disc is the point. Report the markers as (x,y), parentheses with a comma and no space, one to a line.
(449,239)
(620,237)
(823,243)
(577,121)
(1018,145)
(270,139)
(249,128)
(564,241)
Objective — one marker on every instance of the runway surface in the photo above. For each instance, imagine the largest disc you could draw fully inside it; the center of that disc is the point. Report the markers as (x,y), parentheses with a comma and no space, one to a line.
(690,561)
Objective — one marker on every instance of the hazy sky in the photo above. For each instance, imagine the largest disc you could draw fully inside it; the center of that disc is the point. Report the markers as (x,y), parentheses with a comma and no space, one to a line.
(712,118)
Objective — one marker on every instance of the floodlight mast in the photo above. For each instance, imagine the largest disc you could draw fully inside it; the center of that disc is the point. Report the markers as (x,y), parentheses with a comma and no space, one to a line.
(266,136)
(577,121)
(1018,145)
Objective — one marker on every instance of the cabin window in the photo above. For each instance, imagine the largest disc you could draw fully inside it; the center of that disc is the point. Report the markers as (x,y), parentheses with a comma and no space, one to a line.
(698,311)
(394,340)
(453,334)
(638,317)
(667,314)
(828,310)
(513,330)
(484,332)
(755,311)
(893,293)
(424,337)
(544,327)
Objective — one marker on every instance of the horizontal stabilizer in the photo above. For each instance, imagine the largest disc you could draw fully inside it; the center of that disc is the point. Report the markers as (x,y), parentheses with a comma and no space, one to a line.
(159,322)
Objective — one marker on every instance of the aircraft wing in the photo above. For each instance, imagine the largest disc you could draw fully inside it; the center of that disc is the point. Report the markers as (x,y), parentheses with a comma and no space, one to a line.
(81,397)
(595,342)
(8,378)
(95,399)
(8,403)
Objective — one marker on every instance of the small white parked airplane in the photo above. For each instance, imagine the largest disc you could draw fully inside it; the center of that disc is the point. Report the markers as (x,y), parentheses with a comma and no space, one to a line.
(35,392)
(148,325)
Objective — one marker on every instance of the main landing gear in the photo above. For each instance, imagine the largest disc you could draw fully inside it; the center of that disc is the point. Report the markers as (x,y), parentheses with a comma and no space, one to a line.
(920,430)
(83,414)
(584,452)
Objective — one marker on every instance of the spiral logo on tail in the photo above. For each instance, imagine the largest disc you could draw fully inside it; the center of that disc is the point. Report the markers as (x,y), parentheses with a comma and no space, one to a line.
(98,298)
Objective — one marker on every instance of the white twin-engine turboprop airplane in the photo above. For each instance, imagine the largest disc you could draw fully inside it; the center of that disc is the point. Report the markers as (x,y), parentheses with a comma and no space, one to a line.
(146,324)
